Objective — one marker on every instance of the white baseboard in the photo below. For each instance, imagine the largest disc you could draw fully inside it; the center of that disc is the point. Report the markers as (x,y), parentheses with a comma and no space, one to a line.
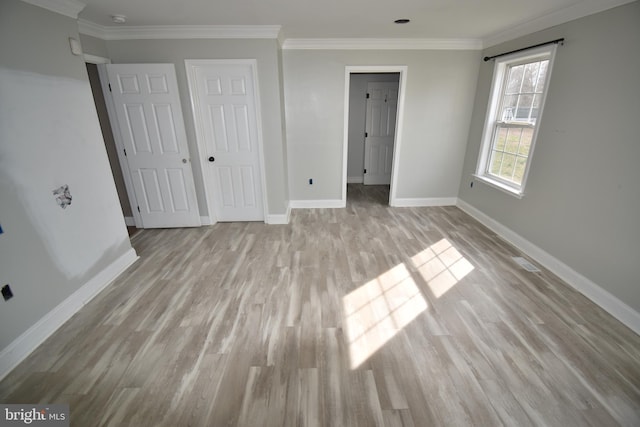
(205,220)
(129,221)
(355,179)
(424,202)
(315,204)
(586,287)
(280,219)
(22,346)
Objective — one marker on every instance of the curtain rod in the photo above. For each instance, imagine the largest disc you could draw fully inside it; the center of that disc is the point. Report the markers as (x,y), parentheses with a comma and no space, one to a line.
(557,41)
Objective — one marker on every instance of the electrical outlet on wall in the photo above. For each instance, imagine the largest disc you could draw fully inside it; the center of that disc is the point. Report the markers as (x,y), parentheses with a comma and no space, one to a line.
(6,292)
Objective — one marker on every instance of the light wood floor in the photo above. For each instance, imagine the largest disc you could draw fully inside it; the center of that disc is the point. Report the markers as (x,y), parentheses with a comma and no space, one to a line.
(346,317)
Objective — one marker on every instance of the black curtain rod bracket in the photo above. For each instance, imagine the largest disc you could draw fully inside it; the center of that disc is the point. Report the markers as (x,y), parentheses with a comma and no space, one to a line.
(557,41)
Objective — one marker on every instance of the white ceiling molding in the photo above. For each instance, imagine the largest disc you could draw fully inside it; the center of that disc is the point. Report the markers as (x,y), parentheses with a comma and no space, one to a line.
(91,29)
(382,44)
(70,8)
(558,17)
(179,31)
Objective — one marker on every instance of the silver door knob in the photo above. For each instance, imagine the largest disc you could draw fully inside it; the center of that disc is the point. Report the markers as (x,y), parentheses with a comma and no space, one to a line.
(184,160)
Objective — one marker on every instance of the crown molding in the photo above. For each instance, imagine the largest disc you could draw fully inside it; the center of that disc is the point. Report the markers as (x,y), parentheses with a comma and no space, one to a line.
(382,44)
(90,29)
(70,8)
(552,19)
(179,31)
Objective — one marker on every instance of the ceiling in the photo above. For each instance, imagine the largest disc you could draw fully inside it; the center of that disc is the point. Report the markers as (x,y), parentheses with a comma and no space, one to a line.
(339,19)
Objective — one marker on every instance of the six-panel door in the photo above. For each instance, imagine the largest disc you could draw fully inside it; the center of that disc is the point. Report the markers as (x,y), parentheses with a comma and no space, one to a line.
(223,96)
(382,105)
(152,130)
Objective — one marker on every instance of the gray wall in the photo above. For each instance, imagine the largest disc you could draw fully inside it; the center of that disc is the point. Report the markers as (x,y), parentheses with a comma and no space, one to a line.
(582,203)
(358,118)
(266,54)
(49,136)
(93,46)
(440,85)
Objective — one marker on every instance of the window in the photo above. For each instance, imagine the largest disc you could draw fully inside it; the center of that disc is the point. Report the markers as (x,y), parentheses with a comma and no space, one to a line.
(518,92)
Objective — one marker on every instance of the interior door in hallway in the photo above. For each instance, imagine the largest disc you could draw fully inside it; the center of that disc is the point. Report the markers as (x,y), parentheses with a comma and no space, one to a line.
(382,105)
(223,95)
(151,127)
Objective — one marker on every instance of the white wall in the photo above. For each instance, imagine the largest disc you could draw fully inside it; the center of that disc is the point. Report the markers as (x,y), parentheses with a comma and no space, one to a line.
(582,203)
(440,87)
(266,53)
(358,119)
(49,136)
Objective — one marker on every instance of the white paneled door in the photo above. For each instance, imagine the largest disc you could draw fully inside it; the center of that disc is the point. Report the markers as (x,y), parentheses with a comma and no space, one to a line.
(223,95)
(151,128)
(382,105)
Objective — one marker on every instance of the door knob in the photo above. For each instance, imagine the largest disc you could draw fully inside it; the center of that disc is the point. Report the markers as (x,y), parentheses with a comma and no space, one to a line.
(184,160)
(212,159)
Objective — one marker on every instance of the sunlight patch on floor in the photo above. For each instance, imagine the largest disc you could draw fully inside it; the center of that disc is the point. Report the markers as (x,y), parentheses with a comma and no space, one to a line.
(441,266)
(378,310)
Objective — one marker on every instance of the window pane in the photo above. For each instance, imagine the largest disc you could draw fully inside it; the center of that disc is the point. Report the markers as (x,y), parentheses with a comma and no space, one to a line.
(508,164)
(501,138)
(513,140)
(515,79)
(509,107)
(496,162)
(509,152)
(525,142)
(536,107)
(524,107)
(542,75)
(530,76)
(521,163)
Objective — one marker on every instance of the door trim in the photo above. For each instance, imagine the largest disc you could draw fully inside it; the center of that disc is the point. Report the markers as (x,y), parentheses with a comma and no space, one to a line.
(402,69)
(191,65)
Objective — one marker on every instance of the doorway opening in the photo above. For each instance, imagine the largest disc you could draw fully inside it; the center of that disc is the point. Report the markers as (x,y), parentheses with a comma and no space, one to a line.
(374,104)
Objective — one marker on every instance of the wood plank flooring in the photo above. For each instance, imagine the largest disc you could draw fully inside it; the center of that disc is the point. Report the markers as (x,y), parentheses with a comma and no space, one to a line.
(363,316)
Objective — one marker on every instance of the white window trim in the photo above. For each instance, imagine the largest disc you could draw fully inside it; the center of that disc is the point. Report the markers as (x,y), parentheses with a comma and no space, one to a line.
(497,86)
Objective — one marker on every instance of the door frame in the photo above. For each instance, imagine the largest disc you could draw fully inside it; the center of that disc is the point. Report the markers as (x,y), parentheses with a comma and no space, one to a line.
(190,65)
(349,69)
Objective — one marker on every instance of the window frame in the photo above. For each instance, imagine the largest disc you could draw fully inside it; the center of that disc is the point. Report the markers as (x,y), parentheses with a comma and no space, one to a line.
(498,85)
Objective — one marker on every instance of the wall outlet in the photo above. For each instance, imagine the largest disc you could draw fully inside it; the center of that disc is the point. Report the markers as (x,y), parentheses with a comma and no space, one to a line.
(6,292)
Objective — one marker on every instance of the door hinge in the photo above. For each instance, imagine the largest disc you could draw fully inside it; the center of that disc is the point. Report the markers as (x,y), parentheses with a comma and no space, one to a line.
(365,171)
(109,87)
(138,209)
(366,134)
(367,96)
(125,151)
